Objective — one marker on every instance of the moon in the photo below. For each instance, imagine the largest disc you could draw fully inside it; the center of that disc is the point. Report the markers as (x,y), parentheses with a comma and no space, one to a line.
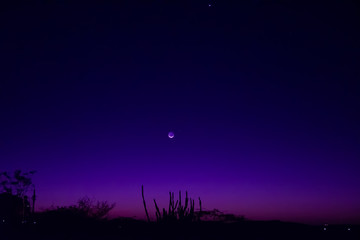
(171,135)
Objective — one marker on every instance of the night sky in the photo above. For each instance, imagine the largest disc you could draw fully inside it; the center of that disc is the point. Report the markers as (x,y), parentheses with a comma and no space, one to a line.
(263,98)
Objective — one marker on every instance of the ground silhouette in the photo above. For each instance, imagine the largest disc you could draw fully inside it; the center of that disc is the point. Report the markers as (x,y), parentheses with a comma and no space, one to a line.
(88,220)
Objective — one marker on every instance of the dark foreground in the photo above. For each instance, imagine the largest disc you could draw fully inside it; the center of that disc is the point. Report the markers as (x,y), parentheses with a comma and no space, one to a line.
(133,229)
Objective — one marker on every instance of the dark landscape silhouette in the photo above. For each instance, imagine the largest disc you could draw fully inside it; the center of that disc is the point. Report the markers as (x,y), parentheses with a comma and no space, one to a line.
(87,219)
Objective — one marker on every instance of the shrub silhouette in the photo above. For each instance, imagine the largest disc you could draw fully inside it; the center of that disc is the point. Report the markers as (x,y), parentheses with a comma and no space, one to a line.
(97,210)
(216,215)
(86,208)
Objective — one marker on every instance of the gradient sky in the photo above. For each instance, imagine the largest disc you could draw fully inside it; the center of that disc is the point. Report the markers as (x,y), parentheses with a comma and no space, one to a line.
(263,98)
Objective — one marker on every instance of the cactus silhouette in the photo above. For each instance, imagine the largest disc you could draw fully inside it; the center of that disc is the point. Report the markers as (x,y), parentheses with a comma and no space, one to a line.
(176,212)
(146,212)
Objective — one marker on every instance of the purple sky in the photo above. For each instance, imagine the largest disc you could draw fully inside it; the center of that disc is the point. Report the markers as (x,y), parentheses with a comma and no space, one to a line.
(263,100)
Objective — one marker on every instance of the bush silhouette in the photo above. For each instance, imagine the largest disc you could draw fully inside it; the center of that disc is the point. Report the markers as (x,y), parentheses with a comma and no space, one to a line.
(84,209)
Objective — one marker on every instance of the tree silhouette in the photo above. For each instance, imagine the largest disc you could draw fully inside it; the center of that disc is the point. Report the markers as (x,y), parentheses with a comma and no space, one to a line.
(18,184)
(14,204)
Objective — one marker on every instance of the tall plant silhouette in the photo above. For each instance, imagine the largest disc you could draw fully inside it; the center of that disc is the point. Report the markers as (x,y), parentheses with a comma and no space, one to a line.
(144,202)
(176,212)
